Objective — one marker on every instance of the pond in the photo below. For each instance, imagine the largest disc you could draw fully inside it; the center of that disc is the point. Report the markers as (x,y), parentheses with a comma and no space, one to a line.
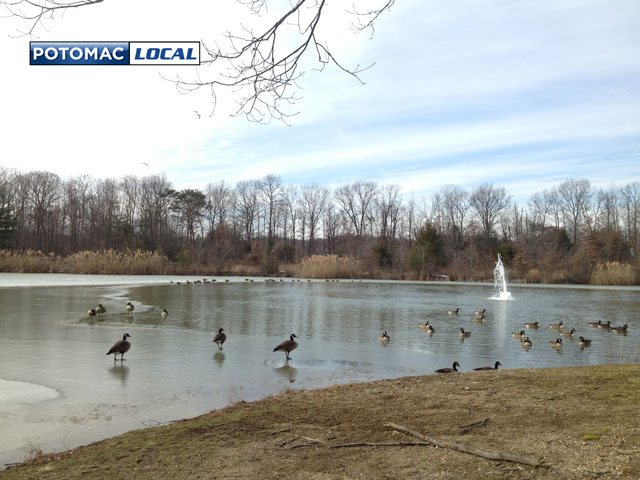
(59,390)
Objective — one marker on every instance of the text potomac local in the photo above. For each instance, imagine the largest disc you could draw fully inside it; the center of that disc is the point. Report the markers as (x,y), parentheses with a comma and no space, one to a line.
(114,53)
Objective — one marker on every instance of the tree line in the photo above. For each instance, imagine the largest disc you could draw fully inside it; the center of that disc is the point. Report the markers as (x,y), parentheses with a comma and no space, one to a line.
(560,235)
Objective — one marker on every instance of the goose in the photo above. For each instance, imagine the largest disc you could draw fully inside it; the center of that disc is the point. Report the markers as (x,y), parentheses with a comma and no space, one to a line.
(91,312)
(584,342)
(164,313)
(518,335)
(129,307)
(430,330)
(454,369)
(120,347)
(220,338)
(479,319)
(463,333)
(489,368)
(526,343)
(532,325)
(288,346)
(557,326)
(100,310)
(606,326)
(453,312)
(622,329)
(569,334)
(423,324)
(384,338)
(481,312)
(595,324)
(557,343)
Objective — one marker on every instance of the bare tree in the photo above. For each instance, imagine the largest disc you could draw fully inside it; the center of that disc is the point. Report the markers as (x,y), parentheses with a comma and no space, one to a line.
(314,201)
(248,205)
(219,204)
(271,189)
(575,201)
(356,201)
(260,64)
(630,194)
(488,202)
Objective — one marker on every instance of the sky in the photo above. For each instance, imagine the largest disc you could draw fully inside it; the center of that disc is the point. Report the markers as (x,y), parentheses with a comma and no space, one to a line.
(520,94)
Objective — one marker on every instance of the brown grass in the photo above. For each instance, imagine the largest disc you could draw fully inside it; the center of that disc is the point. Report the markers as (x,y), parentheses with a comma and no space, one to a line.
(613,273)
(107,262)
(330,266)
(579,420)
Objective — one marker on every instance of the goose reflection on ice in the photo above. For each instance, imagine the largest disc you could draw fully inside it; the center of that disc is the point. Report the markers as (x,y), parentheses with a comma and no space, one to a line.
(287,372)
(120,372)
(219,357)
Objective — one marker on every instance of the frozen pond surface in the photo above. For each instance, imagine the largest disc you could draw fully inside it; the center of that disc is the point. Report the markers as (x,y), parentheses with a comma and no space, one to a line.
(59,390)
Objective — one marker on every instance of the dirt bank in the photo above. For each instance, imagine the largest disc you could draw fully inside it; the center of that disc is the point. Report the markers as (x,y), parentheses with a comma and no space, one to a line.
(583,422)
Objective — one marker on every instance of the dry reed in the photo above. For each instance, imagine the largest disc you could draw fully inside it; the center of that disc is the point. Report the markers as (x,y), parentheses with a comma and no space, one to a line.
(613,273)
(624,353)
(330,266)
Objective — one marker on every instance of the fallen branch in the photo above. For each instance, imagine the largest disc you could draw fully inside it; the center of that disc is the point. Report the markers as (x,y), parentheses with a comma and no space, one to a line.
(278,431)
(379,444)
(471,450)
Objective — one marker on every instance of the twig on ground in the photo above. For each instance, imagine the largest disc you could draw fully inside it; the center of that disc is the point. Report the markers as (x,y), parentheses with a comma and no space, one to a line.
(471,450)
(378,444)
(467,428)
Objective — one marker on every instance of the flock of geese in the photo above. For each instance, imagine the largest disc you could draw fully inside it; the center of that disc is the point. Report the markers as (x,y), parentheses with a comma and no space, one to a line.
(123,346)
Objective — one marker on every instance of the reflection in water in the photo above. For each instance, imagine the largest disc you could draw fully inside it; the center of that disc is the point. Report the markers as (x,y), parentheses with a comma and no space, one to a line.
(219,357)
(287,371)
(120,371)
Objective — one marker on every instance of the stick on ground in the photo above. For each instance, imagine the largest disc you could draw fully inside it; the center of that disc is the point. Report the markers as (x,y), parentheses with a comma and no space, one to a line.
(508,457)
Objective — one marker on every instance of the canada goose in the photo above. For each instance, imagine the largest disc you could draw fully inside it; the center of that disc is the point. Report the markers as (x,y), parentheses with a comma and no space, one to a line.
(384,338)
(595,324)
(423,325)
(584,342)
(453,312)
(479,319)
(532,325)
(449,370)
(129,307)
(288,346)
(557,343)
(100,310)
(430,330)
(557,326)
(220,338)
(526,343)
(489,368)
(622,329)
(91,312)
(481,312)
(606,326)
(518,335)
(120,347)
(164,313)
(570,333)
(463,333)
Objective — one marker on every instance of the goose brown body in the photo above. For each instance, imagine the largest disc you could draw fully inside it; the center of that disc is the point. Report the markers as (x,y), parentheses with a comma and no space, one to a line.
(288,345)
(495,367)
(449,370)
(120,347)
(220,338)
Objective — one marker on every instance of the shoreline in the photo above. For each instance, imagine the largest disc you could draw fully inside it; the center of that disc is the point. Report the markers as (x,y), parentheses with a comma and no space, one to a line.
(576,418)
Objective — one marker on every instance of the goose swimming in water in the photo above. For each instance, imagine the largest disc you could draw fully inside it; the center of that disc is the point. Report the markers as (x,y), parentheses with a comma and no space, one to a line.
(384,338)
(100,310)
(164,313)
(120,347)
(557,343)
(454,369)
(220,338)
(288,346)
(453,312)
(463,333)
(495,367)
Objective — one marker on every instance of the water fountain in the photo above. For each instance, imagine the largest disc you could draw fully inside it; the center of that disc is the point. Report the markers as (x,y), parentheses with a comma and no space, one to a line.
(500,278)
